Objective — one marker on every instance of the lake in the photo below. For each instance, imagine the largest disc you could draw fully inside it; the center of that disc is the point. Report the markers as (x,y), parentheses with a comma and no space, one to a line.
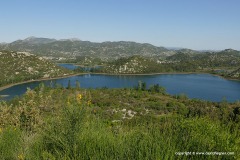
(72,66)
(68,66)
(201,86)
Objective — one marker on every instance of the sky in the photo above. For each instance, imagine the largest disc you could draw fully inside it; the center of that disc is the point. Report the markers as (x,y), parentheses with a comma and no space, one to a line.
(193,24)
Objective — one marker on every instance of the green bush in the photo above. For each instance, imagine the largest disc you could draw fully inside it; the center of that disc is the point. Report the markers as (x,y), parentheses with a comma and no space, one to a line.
(10,143)
(89,124)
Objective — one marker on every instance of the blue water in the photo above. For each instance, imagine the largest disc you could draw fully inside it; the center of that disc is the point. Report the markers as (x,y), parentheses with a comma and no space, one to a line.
(72,67)
(68,66)
(201,86)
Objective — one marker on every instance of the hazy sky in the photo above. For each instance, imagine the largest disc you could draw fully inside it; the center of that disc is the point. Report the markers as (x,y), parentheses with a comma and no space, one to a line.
(195,24)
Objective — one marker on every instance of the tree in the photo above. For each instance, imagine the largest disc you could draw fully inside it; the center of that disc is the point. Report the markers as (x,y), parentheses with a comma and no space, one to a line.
(77,84)
(69,84)
(158,89)
(144,86)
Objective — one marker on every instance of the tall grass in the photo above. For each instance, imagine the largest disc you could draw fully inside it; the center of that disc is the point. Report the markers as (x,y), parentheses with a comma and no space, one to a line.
(66,124)
(10,143)
(78,134)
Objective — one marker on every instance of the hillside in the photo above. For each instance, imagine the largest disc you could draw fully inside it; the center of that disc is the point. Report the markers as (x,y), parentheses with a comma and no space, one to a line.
(91,53)
(235,74)
(70,48)
(21,66)
(132,65)
(129,57)
(222,63)
(144,65)
(58,123)
(225,58)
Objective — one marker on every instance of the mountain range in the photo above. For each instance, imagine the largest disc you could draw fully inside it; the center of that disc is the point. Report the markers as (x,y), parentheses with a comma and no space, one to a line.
(71,48)
(92,53)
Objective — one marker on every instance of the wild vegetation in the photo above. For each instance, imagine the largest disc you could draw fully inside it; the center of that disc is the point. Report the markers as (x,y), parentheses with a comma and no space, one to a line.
(137,123)
(22,66)
(235,74)
(225,63)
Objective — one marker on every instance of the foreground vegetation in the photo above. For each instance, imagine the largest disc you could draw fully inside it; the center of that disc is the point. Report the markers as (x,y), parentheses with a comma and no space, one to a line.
(59,123)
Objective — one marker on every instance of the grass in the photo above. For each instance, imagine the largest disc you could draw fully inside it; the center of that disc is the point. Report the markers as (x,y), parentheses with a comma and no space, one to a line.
(88,124)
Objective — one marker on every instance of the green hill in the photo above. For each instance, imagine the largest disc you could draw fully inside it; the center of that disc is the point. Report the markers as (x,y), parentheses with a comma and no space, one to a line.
(225,58)
(22,66)
(129,57)
(132,65)
(221,63)
(70,48)
(235,74)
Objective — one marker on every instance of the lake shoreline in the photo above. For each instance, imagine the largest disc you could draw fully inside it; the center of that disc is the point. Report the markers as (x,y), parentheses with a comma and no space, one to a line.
(149,74)
(112,74)
(41,79)
(145,74)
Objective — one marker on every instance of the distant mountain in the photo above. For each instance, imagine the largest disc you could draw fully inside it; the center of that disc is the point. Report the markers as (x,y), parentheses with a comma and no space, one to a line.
(71,39)
(74,47)
(181,56)
(21,66)
(34,41)
(71,49)
(174,48)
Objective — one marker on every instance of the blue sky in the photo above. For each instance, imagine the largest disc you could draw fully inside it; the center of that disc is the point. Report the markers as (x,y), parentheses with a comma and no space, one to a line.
(195,24)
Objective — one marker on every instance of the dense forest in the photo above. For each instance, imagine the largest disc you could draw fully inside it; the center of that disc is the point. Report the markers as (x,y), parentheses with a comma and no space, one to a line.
(132,123)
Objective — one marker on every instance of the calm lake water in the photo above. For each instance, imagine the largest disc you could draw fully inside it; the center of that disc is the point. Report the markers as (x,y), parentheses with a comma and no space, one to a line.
(201,86)
(72,66)
(68,66)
